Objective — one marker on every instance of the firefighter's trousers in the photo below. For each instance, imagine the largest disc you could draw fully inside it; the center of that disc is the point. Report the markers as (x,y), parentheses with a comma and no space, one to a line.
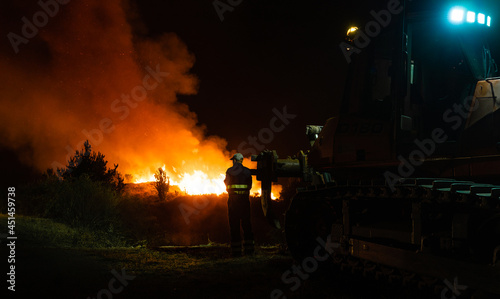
(239,214)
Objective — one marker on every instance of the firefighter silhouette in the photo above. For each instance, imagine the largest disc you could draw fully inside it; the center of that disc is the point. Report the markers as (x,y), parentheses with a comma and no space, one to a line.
(238,183)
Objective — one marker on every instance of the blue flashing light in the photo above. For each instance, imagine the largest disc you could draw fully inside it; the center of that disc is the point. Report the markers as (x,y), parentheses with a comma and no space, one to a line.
(481,18)
(471,17)
(459,15)
(456,15)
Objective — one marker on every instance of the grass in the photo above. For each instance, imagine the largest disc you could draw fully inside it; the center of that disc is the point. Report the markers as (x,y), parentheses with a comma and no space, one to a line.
(42,232)
(46,233)
(145,261)
(82,261)
(168,266)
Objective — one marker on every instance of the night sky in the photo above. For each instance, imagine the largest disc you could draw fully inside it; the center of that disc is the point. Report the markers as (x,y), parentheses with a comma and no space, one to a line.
(262,55)
(266,54)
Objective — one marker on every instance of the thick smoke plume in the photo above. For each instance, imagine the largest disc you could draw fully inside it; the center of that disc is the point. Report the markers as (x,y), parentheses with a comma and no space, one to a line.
(86,75)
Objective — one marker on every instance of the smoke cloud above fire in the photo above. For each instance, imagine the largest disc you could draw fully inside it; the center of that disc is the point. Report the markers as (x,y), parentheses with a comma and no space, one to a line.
(87,74)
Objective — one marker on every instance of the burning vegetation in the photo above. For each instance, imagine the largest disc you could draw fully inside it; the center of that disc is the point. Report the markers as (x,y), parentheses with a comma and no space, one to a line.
(98,82)
(91,197)
(93,73)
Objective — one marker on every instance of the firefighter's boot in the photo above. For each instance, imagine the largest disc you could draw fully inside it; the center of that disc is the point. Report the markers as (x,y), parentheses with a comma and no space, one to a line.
(236,249)
(249,248)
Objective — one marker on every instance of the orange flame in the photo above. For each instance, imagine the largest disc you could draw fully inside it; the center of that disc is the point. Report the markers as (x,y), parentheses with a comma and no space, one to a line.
(199,182)
(105,84)
(195,183)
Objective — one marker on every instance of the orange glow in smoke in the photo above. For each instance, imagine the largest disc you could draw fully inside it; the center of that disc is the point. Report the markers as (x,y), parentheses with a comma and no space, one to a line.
(107,83)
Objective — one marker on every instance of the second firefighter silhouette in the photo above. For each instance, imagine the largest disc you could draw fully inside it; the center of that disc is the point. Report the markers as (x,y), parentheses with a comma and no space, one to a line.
(238,183)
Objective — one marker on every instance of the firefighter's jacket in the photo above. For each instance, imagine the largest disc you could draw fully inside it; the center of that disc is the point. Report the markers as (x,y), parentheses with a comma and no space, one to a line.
(238,180)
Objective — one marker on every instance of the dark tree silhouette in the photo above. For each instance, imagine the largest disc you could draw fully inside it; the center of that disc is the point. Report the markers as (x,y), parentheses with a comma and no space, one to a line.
(162,183)
(93,164)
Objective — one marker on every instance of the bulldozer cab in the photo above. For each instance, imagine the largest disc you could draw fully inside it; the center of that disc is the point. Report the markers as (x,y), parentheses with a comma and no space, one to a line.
(415,75)
(406,176)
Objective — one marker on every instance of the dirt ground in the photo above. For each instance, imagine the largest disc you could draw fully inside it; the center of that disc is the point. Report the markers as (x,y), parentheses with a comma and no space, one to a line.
(179,272)
(52,268)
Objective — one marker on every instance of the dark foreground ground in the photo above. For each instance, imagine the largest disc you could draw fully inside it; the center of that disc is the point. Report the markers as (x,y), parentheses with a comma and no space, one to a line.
(59,271)
(197,272)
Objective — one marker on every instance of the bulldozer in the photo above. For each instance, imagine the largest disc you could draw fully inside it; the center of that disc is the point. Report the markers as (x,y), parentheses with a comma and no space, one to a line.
(405,180)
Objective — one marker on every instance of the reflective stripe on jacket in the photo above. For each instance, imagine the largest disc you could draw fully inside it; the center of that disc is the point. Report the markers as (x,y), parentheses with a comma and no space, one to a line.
(238,189)
(238,180)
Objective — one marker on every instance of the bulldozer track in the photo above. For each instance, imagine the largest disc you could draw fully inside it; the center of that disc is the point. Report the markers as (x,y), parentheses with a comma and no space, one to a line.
(445,194)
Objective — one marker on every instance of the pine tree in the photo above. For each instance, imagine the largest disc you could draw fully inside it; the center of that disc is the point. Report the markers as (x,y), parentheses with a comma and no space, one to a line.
(93,164)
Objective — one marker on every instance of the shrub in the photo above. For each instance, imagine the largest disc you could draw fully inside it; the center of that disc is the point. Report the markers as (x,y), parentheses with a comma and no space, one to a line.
(162,183)
(138,221)
(83,202)
(94,166)
(34,198)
